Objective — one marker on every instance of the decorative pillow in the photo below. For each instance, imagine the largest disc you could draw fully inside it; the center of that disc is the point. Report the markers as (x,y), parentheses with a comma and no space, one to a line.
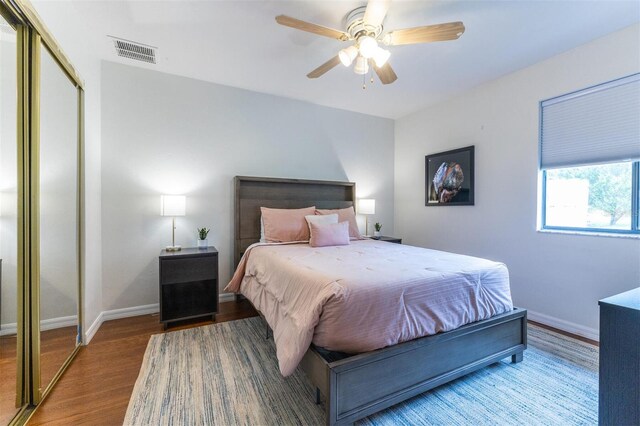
(347,214)
(321,219)
(285,225)
(329,234)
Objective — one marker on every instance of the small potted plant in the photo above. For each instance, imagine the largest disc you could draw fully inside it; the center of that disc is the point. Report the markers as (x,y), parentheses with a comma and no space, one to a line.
(203,243)
(377,227)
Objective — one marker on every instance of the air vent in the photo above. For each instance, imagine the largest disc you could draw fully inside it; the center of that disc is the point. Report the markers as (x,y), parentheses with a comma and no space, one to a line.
(134,50)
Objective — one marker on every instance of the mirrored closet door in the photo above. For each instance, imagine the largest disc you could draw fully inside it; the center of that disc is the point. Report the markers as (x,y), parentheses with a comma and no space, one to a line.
(59,222)
(8,222)
(41,133)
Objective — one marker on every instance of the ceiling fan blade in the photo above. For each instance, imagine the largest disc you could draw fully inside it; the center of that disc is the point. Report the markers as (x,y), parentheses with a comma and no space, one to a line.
(318,72)
(385,72)
(376,11)
(311,28)
(440,32)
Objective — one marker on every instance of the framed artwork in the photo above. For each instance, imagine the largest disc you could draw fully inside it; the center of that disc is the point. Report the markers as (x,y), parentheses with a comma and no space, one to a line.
(449,178)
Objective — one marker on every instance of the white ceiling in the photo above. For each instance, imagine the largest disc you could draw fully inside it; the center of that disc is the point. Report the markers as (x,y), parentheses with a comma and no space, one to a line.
(238,43)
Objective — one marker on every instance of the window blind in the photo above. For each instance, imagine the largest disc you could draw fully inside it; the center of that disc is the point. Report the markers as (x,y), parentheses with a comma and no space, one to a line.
(596,125)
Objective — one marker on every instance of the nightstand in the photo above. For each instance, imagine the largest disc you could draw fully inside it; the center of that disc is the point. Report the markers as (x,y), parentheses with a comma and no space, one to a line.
(388,239)
(188,284)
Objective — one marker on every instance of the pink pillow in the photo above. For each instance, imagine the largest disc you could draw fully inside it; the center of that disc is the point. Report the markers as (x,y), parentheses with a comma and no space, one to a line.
(320,219)
(285,225)
(331,234)
(349,215)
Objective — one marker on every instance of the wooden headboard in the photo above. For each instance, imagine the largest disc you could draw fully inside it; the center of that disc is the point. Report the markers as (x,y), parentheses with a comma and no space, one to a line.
(251,193)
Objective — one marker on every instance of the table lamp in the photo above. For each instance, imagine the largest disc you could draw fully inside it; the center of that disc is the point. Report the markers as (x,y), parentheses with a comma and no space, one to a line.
(173,205)
(366,206)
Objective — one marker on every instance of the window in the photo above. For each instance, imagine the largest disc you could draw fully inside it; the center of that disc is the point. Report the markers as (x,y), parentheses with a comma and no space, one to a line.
(590,159)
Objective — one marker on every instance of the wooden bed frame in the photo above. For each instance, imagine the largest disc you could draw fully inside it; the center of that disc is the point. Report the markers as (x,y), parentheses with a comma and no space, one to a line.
(356,386)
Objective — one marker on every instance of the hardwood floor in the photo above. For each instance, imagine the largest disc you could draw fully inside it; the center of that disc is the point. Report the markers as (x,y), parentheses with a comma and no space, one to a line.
(566,333)
(96,387)
(8,375)
(55,347)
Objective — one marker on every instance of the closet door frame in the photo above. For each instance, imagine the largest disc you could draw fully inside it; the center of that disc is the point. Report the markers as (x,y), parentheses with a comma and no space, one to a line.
(38,392)
(31,36)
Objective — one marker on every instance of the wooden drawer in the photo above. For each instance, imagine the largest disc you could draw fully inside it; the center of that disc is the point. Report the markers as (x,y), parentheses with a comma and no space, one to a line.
(187,300)
(188,269)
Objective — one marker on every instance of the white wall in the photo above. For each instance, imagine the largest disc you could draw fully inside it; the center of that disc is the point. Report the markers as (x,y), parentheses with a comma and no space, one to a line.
(92,229)
(557,276)
(163,134)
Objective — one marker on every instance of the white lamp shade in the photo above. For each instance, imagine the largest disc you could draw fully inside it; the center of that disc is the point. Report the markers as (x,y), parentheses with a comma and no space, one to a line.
(381,56)
(348,55)
(367,206)
(361,67)
(173,205)
(368,46)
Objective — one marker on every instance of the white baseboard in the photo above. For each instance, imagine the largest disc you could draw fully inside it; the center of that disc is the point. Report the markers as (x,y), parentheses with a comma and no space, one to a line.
(93,329)
(53,323)
(9,329)
(48,324)
(133,311)
(560,324)
(113,314)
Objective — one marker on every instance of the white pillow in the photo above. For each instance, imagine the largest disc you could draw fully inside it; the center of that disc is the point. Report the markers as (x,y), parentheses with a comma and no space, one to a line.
(318,219)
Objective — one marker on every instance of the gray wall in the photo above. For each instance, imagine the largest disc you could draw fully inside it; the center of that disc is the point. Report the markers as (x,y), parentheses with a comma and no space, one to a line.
(559,277)
(164,134)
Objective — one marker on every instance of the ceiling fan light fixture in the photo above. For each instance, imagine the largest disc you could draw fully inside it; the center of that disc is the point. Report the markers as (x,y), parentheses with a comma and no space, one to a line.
(361,67)
(364,28)
(381,56)
(368,46)
(348,55)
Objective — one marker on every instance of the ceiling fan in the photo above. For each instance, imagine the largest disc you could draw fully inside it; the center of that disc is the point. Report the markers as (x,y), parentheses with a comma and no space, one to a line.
(364,28)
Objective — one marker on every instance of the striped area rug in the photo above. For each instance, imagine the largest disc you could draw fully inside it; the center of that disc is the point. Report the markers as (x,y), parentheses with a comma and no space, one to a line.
(227,374)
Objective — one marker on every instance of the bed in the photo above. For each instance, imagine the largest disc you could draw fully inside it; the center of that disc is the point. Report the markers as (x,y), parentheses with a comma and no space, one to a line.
(355,386)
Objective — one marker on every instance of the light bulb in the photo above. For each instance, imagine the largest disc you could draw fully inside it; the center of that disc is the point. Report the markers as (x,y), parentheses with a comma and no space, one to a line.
(361,66)
(368,46)
(381,56)
(348,55)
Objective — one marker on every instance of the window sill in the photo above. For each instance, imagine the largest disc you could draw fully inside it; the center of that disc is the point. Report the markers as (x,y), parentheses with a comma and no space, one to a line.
(589,234)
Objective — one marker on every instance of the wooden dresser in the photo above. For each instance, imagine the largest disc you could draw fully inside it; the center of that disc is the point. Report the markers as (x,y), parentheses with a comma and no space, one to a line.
(619,394)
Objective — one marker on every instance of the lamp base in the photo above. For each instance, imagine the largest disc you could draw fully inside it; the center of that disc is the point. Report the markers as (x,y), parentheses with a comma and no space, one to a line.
(173,248)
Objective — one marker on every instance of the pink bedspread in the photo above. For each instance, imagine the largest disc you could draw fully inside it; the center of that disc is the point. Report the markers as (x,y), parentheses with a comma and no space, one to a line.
(366,295)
